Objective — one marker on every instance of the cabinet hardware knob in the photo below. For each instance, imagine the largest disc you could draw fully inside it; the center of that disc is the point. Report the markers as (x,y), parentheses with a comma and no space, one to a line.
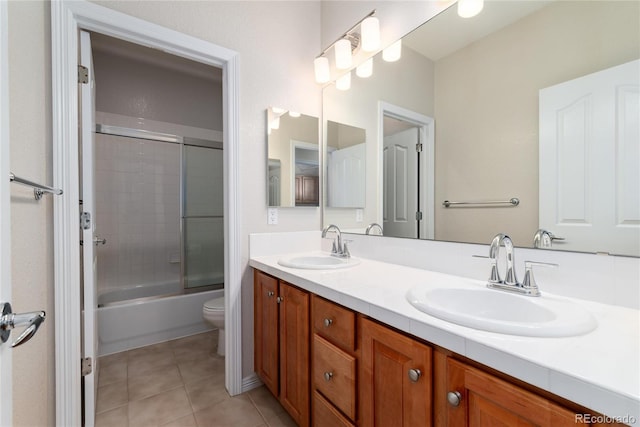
(279,300)
(270,294)
(414,375)
(454,398)
(328,376)
(327,322)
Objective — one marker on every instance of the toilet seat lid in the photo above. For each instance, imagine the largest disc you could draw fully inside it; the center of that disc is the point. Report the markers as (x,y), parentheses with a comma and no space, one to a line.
(215,304)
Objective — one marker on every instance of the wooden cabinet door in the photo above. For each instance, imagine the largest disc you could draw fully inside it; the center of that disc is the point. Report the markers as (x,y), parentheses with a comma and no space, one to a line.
(265,292)
(389,397)
(486,400)
(294,353)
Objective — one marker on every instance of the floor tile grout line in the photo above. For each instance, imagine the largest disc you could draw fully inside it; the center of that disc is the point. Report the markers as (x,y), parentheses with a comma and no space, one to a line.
(253,402)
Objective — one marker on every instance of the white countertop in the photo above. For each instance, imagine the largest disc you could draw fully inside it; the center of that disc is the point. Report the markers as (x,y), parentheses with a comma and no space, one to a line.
(599,370)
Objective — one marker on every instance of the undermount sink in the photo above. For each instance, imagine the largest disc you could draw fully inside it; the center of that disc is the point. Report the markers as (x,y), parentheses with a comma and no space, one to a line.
(318,262)
(497,311)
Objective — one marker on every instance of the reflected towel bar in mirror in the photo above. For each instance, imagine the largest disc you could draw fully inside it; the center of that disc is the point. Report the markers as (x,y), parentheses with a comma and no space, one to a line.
(38,189)
(514,201)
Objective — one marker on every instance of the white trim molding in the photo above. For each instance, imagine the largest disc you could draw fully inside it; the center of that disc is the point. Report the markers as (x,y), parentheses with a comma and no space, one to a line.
(426,127)
(67,18)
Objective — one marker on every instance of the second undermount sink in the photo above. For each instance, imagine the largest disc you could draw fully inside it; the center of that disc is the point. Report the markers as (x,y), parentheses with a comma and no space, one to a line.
(318,262)
(497,311)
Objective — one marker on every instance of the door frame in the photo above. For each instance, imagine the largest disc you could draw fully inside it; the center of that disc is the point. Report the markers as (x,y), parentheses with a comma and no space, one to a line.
(6,371)
(67,18)
(426,128)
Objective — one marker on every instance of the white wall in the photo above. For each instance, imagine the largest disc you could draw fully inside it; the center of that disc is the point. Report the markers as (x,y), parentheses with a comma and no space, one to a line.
(276,68)
(31,221)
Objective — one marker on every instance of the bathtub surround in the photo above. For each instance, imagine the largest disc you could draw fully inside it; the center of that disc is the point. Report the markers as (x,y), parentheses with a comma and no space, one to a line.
(130,325)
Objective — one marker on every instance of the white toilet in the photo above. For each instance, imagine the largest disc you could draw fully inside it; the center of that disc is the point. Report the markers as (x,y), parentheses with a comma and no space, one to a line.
(213,312)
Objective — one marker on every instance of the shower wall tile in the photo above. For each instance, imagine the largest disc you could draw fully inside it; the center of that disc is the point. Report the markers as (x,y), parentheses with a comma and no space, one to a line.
(137,211)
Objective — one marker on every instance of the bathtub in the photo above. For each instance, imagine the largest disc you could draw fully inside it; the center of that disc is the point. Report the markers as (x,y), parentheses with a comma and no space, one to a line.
(137,316)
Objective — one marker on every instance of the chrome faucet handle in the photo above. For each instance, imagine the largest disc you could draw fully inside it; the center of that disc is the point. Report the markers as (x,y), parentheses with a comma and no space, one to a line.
(529,283)
(345,249)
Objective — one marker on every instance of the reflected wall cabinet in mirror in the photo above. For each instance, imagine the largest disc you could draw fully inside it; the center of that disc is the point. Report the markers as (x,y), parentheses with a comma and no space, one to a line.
(293,160)
(531,100)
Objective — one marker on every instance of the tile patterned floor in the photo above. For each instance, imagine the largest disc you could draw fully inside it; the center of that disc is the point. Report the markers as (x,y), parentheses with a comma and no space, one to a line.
(179,383)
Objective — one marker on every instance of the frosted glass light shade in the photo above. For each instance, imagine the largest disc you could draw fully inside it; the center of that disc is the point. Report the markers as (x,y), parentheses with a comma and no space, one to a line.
(365,69)
(344,82)
(321,68)
(275,123)
(393,52)
(469,8)
(294,114)
(343,54)
(370,34)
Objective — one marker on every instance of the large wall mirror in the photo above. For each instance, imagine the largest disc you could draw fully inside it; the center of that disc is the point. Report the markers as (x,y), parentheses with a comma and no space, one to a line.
(522,118)
(293,160)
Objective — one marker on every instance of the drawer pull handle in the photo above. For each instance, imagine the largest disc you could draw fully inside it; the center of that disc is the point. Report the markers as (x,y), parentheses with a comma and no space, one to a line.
(414,375)
(270,294)
(328,376)
(454,398)
(327,322)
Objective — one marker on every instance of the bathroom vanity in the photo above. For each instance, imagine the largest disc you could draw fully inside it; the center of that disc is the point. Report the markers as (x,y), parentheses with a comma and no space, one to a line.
(348,348)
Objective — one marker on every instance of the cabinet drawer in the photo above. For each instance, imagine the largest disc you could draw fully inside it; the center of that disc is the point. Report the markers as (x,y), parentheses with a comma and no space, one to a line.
(335,323)
(324,414)
(334,375)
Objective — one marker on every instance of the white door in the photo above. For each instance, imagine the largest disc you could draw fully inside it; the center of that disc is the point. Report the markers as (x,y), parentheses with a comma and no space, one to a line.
(400,184)
(347,177)
(590,161)
(89,264)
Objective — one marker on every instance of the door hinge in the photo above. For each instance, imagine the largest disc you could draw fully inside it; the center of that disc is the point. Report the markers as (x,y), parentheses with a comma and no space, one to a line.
(86,366)
(85,220)
(418,216)
(83,74)
(419,147)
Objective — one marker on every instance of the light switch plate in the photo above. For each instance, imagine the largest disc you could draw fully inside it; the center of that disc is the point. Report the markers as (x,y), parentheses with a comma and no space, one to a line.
(359,215)
(272,216)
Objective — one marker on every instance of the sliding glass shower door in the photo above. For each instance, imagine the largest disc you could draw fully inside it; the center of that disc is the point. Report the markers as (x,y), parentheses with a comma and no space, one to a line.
(202,217)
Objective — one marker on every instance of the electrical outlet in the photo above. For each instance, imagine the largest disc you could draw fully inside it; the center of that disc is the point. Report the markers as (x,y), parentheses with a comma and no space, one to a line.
(272,216)
(359,215)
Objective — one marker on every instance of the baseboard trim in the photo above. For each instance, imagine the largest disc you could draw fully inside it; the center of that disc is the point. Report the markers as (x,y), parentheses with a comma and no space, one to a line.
(250,382)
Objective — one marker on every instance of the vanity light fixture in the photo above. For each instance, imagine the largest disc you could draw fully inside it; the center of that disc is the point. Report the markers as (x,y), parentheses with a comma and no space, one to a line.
(365,35)
(469,8)
(365,69)
(342,50)
(344,82)
(321,67)
(370,34)
(294,114)
(275,123)
(393,52)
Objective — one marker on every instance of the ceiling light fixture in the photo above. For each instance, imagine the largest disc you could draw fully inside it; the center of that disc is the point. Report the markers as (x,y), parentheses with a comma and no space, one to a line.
(365,35)
(469,8)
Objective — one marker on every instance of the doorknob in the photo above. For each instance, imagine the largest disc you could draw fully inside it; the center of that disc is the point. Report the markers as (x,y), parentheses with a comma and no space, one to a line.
(98,241)
(10,320)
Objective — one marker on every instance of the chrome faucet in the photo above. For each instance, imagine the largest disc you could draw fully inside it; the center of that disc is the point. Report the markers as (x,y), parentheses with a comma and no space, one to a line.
(510,283)
(372,226)
(494,251)
(544,238)
(338,249)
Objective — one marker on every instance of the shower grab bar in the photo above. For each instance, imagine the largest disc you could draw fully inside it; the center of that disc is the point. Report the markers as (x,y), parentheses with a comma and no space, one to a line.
(514,201)
(38,189)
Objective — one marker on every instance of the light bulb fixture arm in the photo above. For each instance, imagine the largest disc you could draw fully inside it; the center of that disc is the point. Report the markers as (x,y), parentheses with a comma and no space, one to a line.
(349,35)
